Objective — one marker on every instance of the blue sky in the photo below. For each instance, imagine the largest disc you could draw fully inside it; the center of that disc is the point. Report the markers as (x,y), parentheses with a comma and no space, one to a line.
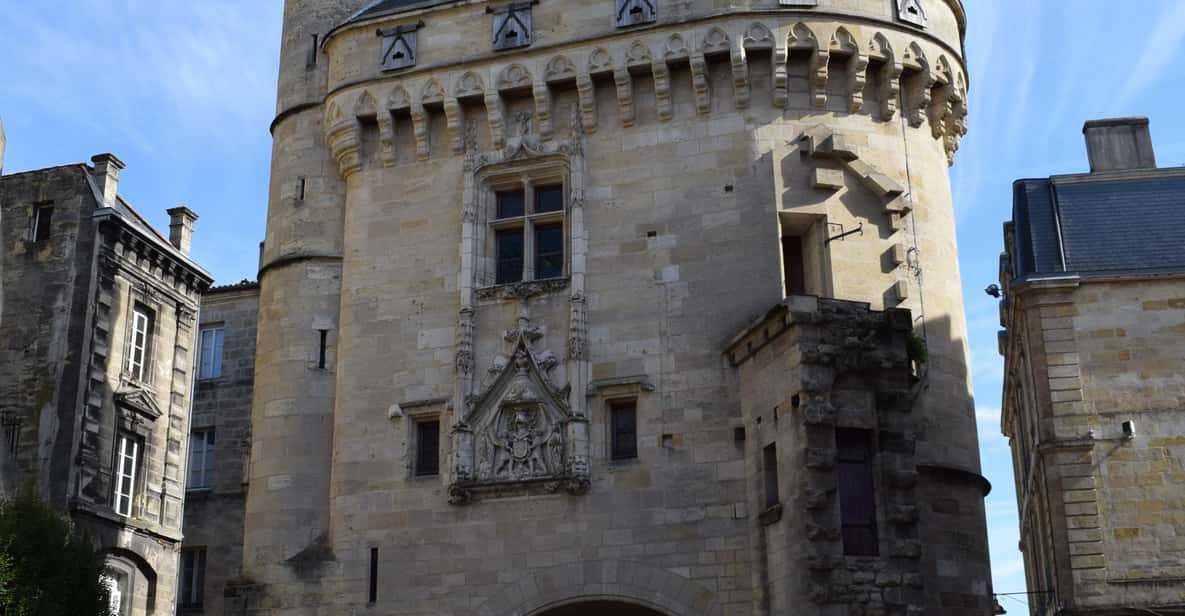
(184,93)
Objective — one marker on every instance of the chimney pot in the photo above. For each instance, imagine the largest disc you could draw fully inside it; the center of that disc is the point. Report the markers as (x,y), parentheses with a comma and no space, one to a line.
(1119,144)
(181,221)
(107,168)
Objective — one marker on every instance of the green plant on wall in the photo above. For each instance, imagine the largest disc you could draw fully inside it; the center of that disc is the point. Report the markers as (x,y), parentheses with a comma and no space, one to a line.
(917,349)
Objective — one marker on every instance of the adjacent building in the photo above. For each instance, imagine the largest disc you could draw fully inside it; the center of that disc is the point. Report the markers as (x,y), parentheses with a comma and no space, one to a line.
(1093,282)
(219,446)
(614,307)
(98,340)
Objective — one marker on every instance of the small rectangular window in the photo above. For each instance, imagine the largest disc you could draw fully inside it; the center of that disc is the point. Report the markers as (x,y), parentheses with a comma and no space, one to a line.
(322,348)
(42,222)
(792,262)
(549,198)
(427,448)
(201,459)
(769,457)
(857,496)
(210,355)
(549,250)
(510,203)
(193,577)
(510,255)
(139,346)
(126,460)
(624,425)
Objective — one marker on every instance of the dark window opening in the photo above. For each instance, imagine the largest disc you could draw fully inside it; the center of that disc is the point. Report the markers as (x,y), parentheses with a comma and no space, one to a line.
(624,421)
(193,577)
(549,251)
(792,262)
(373,595)
(510,255)
(322,351)
(300,189)
(510,203)
(857,496)
(311,61)
(42,222)
(427,448)
(549,198)
(769,458)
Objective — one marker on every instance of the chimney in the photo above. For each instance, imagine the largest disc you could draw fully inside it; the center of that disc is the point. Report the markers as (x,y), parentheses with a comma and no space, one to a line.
(107,167)
(181,221)
(1119,144)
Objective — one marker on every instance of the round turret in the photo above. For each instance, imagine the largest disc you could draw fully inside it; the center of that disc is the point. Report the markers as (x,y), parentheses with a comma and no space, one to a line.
(505,235)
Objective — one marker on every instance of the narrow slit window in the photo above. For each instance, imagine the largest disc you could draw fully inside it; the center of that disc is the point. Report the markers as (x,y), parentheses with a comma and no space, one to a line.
(769,457)
(624,422)
(373,593)
(42,223)
(311,61)
(427,448)
(323,348)
(857,496)
(792,263)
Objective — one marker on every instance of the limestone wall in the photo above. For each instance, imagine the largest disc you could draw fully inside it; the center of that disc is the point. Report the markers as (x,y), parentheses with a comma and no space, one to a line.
(685,150)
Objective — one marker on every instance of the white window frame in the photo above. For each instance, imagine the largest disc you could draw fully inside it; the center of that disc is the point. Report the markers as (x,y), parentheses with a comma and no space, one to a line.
(126,462)
(201,459)
(138,349)
(210,357)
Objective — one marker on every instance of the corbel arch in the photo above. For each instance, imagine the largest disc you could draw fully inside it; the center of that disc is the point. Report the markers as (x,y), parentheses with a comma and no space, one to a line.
(843,44)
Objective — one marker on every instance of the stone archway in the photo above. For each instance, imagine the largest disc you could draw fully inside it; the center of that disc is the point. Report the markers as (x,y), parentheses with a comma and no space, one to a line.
(600,607)
(622,584)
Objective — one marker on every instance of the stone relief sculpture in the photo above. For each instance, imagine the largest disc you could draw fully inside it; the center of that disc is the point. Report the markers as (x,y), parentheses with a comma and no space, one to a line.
(518,434)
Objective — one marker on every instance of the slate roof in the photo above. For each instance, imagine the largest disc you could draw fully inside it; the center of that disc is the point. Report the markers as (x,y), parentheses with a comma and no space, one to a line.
(382,7)
(1100,224)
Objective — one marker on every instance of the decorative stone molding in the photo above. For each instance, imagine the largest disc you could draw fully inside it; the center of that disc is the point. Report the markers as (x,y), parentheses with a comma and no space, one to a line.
(904,67)
(343,141)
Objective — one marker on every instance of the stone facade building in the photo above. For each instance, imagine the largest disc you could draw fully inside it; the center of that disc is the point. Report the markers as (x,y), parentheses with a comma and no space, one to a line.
(97,340)
(1093,278)
(220,440)
(511,357)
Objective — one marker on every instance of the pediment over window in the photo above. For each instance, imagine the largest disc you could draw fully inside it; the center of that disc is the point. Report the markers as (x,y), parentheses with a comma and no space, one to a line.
(137,407)
(518,435)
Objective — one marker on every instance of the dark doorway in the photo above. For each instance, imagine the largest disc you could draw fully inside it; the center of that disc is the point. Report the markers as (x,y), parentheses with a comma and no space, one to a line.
(601,608)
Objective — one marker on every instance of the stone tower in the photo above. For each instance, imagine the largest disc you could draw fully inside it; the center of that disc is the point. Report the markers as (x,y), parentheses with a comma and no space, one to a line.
(510,247)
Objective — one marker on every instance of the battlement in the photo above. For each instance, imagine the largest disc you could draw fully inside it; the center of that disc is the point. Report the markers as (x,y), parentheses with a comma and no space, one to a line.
(798,68)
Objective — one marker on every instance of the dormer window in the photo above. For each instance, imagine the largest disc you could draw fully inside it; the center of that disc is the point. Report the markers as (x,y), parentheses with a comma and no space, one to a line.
(634,12)
(912,12)
(399,46)
(512,26)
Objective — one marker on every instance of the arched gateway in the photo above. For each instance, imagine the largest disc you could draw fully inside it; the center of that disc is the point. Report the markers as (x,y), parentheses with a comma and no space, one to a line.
(601,608)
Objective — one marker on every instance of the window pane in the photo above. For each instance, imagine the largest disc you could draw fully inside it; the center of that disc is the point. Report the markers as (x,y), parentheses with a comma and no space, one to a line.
(549,198)
(625,431)
(510,203)
(427,448)
(770,463)
(42,223)
(549,251)
(510,255)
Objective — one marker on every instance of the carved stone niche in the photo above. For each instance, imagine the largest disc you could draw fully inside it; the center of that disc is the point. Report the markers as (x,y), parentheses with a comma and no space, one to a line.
(519,436)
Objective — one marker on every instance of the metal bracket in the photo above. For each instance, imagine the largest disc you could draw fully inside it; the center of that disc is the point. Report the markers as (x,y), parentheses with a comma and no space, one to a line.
(843,234)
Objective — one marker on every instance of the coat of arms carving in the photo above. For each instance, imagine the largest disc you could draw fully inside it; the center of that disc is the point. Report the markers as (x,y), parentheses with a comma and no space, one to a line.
(518,435)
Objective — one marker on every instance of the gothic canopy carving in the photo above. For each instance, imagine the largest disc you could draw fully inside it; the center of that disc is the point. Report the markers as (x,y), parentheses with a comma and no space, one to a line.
(519,435)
